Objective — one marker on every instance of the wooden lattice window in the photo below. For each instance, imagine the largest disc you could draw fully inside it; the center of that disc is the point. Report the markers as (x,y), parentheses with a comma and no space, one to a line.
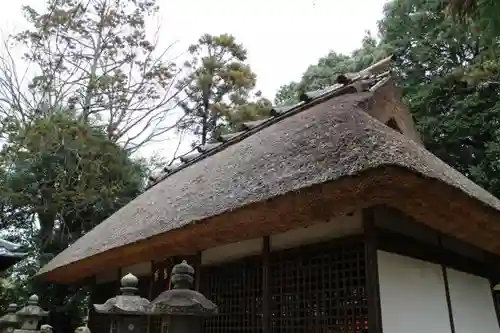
(155,324)
(320,288)
(236,288)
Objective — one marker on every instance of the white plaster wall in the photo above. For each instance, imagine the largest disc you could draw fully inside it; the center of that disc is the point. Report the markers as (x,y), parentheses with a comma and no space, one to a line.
(412,295)
(232,251)
(338,227)
(318,232)
(335,228)
(472,303)
(140,269)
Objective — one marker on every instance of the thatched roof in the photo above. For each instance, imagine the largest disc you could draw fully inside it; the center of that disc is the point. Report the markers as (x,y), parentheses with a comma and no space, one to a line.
(329,139)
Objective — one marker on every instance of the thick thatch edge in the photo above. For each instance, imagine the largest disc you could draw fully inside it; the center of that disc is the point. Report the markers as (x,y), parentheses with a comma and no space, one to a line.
(395,186)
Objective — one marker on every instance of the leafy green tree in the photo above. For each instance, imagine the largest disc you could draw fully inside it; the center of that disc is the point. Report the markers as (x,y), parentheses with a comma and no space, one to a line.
(61,177)
(430,44)
(67,174)
(483,14)
(325,72)
(287,94)
(220,83)
(95,57)
(249,111)
(451,85)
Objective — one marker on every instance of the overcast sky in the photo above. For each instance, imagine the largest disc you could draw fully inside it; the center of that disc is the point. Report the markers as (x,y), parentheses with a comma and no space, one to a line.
(282,37)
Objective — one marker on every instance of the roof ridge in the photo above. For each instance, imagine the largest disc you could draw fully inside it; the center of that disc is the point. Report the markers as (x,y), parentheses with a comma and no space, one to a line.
(348,83)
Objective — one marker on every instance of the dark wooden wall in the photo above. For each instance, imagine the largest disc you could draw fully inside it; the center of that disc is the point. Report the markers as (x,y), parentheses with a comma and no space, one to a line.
(317,288)
(101,292)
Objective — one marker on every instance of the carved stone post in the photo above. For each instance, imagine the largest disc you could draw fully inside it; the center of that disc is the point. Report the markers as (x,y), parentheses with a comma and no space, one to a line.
(9,322)
(30,316)
(181,306)
(127,308)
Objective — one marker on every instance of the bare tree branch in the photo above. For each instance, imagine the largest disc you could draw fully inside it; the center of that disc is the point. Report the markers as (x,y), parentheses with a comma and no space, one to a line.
(96,59)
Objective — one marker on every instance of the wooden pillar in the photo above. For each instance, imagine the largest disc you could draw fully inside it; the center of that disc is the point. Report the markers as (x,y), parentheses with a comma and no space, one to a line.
(118,284)
(150,293)
(444,272)
(371,271)
(495,300)
(91,320)
(266,293)
(197,269)
(195,262)
(492,263)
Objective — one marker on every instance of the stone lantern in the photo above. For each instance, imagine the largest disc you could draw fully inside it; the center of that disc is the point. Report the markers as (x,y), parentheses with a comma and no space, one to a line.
(182,307)
(9,322)
(30,316)
(127,309)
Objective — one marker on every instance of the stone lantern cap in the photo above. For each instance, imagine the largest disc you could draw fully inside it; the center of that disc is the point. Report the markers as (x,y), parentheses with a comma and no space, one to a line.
(128,303)
(10,319)
(46,328)
(82,329)
(182,300)
(32,309)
